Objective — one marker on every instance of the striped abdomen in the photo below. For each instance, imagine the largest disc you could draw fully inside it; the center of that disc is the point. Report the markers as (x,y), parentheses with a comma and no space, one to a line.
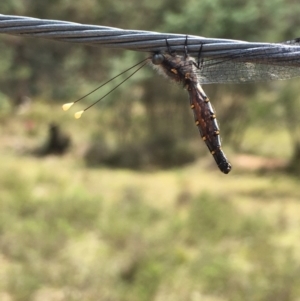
(206,121)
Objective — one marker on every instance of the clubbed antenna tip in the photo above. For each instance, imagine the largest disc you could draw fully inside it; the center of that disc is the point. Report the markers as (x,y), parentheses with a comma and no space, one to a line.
(67,106)
(78,114)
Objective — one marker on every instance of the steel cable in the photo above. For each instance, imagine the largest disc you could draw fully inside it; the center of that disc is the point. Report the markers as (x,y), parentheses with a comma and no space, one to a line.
(146,41)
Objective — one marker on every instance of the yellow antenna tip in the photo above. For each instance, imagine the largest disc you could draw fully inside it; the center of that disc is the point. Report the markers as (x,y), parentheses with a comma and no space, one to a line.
(78,114)
(67,106)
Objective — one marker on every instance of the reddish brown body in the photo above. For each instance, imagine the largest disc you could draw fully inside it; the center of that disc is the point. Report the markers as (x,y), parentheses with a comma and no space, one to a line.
(182,70)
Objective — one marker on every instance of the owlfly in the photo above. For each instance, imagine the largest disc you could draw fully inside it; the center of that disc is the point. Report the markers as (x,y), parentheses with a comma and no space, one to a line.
(278,61)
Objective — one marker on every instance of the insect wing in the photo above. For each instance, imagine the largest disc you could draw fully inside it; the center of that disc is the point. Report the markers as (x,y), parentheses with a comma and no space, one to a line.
(251,65)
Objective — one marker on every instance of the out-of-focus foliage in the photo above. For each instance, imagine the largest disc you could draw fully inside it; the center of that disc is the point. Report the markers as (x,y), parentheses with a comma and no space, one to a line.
(253,20)
(74,233)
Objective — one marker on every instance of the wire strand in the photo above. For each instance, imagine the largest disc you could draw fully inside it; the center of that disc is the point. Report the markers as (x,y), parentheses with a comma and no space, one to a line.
(143,41)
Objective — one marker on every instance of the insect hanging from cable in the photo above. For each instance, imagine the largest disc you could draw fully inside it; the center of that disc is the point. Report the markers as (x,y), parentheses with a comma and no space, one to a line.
(181,69)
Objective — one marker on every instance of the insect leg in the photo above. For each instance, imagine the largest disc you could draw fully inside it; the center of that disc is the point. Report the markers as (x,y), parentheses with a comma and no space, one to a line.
(171,52)
(185,47)
(200,61)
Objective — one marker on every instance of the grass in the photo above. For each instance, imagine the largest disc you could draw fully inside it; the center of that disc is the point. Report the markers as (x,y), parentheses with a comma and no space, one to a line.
(68,232)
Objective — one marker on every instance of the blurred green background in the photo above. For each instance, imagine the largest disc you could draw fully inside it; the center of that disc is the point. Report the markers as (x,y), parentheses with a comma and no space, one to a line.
(136,209)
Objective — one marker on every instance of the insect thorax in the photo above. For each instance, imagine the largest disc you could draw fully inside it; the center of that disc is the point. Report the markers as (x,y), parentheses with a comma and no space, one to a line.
(176,67)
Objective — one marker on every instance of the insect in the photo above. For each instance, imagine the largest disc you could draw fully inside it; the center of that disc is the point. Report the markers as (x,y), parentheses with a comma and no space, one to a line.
(182,69)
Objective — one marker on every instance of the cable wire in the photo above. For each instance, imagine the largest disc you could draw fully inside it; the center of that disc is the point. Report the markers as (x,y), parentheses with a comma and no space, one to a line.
(147,41)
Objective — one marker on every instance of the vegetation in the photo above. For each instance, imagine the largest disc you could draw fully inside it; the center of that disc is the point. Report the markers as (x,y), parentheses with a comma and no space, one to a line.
(164,223)
(71,232)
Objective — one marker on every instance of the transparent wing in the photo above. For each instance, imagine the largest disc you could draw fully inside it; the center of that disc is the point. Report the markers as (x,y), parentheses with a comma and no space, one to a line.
(251,65)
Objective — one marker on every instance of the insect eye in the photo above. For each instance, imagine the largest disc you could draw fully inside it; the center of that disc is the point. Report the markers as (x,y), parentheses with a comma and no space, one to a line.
(158,58)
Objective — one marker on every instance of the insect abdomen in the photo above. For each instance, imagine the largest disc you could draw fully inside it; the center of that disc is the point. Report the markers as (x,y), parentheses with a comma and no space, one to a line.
(206,122)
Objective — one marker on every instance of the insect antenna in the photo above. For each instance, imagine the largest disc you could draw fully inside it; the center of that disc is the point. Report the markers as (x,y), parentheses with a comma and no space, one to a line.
(67,106)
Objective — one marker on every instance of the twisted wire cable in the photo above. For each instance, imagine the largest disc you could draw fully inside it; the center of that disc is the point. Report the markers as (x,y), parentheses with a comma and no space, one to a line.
(148,41)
